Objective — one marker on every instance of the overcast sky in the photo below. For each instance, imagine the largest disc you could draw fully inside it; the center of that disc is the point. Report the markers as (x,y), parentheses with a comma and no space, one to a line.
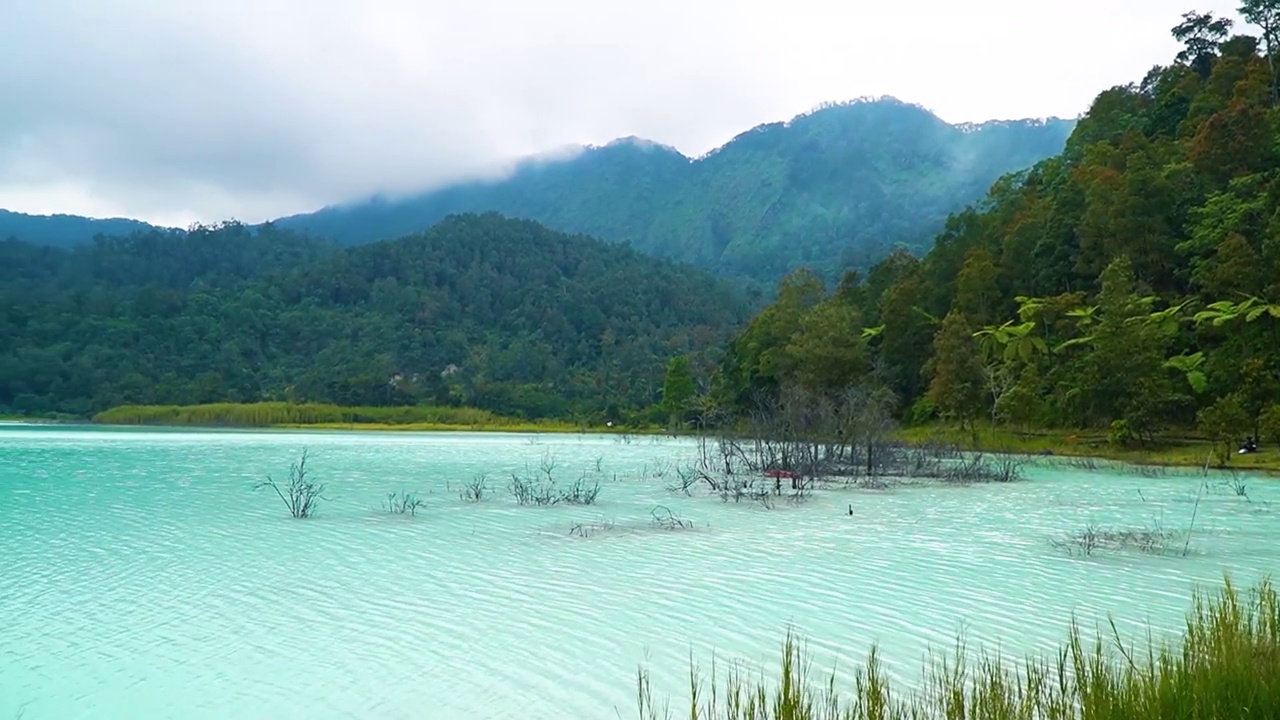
(181,110)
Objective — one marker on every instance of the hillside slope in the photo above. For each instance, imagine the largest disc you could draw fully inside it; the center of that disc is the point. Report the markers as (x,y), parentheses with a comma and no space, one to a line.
(836,187)
(480,310)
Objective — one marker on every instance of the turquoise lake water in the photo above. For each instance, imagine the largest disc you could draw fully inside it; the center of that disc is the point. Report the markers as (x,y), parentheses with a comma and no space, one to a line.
(142,576)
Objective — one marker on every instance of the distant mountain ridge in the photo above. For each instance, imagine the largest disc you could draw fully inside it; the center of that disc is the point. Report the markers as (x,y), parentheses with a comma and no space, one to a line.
(64,230)
(838,186)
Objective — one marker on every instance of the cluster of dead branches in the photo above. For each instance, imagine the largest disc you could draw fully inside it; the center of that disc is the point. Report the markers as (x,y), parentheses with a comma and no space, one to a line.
(476,489)
(799,439)
(1094,539)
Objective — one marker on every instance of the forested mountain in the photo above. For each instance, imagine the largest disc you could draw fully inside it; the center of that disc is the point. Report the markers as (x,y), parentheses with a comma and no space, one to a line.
(480,310)
(63,230)
(836,187)
(1131,283)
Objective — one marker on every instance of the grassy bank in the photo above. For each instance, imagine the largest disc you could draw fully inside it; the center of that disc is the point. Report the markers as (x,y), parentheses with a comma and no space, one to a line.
(1227,665)
(320,416)
(1182,451)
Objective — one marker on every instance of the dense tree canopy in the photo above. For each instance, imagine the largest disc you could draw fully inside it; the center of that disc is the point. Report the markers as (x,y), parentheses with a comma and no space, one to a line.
(1131,283)
(480,310)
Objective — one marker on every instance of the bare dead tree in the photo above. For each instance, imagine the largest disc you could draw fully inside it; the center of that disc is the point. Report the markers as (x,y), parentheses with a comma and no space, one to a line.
(804,435)
(547,464)
(658,469)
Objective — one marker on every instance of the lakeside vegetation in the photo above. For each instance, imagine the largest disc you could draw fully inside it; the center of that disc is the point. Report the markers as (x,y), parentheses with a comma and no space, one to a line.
(324,416)
(1226,665)
(1183,450)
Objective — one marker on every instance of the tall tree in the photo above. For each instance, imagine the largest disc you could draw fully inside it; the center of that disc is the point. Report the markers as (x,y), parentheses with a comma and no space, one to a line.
(678,389)
(1266,15)
(1200,34)
(977,292)
(828,350)
(956,388)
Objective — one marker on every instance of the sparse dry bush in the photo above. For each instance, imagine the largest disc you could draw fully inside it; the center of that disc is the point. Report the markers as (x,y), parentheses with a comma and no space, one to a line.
(300,494)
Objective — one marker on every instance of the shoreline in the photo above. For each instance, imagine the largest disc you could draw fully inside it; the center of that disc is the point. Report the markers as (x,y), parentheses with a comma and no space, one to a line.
(1171,450)
(529,428)
(514,428)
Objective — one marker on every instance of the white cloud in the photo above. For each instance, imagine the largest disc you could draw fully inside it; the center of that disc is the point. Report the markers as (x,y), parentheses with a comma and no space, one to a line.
(187,110)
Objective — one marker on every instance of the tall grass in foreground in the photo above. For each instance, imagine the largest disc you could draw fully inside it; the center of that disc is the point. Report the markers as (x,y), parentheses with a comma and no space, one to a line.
(1226,666)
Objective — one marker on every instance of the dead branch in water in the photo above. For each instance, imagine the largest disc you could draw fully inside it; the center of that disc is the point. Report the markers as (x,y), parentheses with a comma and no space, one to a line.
(402,503)
(664,518)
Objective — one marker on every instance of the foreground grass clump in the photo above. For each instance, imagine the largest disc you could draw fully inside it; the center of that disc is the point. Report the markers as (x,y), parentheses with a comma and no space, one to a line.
(1227,665)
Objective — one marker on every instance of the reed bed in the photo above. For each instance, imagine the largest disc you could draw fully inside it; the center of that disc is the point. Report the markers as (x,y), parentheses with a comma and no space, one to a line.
(269,414)
(1227,665)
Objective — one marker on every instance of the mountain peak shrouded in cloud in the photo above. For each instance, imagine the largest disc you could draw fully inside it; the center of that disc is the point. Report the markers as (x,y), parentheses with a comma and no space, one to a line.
(837,186)
(639,143)
(188,111)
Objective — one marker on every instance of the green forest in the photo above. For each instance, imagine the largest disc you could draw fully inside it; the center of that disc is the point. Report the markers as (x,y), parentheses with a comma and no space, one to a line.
(840,186)
(480,311)
(1131,284)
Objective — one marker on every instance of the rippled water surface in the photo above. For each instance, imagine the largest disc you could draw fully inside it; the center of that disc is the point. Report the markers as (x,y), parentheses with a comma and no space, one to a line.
(142,576)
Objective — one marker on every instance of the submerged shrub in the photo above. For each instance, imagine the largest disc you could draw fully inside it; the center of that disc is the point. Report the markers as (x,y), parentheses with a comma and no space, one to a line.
(533,491)
(402,503)
(300,494)
(978,468)
(581,492)
(475,490)
(541,489)
(544,491)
